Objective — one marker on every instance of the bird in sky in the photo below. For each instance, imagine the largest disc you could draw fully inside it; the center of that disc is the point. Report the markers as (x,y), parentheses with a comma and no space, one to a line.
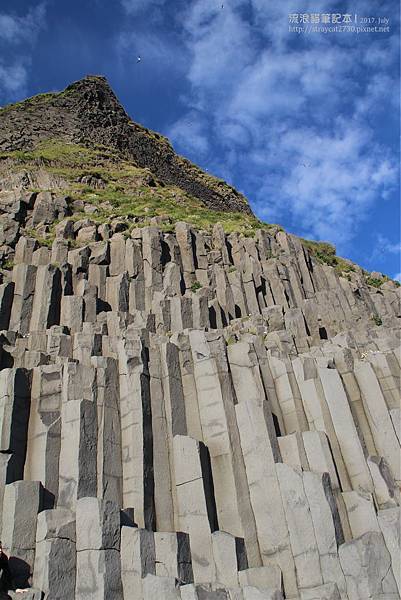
(138,59)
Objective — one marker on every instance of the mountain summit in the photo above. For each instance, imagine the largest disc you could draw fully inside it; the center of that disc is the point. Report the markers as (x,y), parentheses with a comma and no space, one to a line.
(88,113)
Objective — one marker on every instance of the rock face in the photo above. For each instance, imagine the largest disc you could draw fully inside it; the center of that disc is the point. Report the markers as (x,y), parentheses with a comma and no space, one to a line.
(231,439)
(87,112)
(192,416)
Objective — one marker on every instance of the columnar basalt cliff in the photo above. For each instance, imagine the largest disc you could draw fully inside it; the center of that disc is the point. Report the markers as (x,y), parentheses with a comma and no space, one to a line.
(185,413)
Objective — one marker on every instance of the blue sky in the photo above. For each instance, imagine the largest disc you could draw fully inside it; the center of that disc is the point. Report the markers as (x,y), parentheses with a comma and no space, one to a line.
(306,125)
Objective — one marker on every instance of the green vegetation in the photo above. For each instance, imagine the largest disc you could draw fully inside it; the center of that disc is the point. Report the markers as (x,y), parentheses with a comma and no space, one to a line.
(324,252)
(63,157)
(128,191)
(145,203)
(377,320)
(7,265)
(344,266)
(33,101)
(42,241)
(121,190)
(196,286)
(151,139)
(376,281)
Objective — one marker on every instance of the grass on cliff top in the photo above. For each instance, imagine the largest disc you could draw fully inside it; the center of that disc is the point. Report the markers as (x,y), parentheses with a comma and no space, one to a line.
(378,281)
(61,156)
(33,101)
(69,160)
(167,202)
(129,191)
(324,252)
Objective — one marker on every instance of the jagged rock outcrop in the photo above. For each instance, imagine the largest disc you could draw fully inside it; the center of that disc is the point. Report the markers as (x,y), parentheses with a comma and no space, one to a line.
(192,415)
(87,112)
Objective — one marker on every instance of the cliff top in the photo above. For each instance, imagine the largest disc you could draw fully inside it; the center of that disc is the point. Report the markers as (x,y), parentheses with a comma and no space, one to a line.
(88,113)
(80,142)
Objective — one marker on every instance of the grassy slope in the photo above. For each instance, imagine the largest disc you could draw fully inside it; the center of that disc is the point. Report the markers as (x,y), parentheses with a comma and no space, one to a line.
(127,190)
(131,192)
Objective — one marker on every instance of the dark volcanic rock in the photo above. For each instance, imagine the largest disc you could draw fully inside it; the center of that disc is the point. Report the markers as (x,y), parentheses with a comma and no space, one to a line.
(87,112)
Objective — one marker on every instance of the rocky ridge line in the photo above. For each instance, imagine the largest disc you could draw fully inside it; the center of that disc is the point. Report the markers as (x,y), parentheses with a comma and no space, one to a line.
(87,112)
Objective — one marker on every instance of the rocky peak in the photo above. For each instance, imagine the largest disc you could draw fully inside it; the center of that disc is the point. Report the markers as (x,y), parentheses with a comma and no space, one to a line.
(88,112)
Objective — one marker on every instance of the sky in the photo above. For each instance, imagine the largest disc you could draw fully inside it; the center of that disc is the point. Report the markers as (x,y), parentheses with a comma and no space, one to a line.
(306,123)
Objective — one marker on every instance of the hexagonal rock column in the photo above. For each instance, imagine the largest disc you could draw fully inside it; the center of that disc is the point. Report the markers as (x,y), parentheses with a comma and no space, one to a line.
(22,502)
(14,414)
(98,550)
(55,557)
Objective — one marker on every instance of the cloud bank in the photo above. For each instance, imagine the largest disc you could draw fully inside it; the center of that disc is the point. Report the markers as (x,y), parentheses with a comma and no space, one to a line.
(291,116)
(18,35)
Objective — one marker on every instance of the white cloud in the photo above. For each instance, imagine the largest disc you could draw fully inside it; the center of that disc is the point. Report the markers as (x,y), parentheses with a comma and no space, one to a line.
(330,183)
(376,55)
(192,132)
(381,92)
(16,30)
(397,277)
(293,123)
(220,45)
(393,248)
(13,78)
(273,20)
(20,31)
(384,247)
